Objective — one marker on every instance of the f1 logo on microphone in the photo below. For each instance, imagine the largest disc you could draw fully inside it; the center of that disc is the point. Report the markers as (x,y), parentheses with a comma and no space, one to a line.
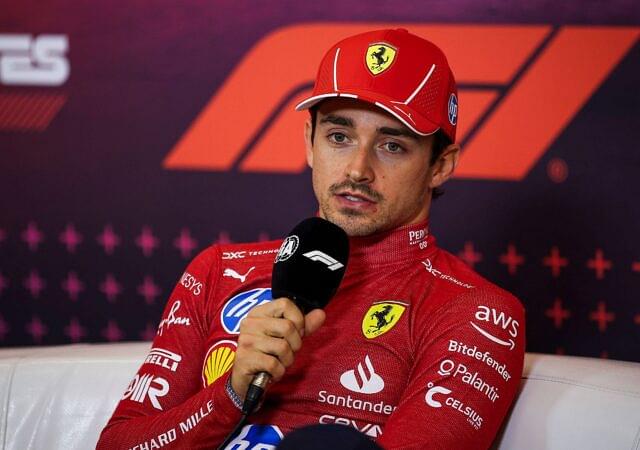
(317,255)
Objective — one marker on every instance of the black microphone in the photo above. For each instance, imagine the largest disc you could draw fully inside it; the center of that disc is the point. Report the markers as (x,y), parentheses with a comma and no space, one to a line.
(308,270)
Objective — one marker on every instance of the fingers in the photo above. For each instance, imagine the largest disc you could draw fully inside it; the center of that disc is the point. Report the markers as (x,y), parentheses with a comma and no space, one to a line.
(269,327)
(280,308)
(276,349)
(314,320)
(269,337)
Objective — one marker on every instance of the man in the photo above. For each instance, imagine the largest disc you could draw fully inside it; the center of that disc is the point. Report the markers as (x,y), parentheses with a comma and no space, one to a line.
(415,350)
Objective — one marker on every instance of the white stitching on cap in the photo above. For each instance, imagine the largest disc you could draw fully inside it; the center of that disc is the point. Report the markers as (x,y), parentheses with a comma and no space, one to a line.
(335,71)
(420,86)
(403,120)
(313,100)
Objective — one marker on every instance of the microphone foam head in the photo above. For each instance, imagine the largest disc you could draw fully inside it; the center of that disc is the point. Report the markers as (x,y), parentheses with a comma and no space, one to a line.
(311,263)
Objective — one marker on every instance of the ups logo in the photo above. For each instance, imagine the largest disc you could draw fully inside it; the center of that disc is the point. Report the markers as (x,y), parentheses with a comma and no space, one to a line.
(519,87)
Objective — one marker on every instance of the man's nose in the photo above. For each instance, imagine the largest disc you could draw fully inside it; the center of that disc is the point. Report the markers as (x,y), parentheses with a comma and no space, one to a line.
(359,168)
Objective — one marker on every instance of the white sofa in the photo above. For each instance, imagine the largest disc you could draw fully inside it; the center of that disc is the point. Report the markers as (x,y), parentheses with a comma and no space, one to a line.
(61,397)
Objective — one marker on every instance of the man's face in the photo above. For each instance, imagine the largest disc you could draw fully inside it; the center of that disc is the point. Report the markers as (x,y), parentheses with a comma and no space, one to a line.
(370,172)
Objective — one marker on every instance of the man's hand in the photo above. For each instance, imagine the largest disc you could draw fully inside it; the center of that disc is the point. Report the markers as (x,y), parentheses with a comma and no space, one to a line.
(270,336)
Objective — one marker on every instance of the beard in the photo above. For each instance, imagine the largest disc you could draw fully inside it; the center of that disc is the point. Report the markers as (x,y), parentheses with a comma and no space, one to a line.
(353,221)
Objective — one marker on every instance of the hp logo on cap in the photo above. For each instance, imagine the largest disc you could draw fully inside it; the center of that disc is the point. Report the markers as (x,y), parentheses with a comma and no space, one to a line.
(453,109)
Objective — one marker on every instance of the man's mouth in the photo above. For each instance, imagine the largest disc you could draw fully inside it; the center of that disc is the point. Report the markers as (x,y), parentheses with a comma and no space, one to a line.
(355,197)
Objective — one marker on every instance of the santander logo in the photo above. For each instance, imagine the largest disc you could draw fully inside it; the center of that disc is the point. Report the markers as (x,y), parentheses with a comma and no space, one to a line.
(363,382)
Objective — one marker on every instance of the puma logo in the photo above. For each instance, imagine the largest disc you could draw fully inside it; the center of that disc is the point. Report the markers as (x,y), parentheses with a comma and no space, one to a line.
(233,274)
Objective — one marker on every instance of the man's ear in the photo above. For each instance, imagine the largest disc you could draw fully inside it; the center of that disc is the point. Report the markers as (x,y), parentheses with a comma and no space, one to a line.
(307,142)
(444,167)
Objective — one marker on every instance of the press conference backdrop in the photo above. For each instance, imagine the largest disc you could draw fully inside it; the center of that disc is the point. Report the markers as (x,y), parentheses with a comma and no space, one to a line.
(133,135)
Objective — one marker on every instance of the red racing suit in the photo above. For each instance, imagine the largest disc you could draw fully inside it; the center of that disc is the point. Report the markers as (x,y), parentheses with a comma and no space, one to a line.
(417,351)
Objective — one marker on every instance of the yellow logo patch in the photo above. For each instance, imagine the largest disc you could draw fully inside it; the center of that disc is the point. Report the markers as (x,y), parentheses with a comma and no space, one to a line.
(380,57)
(381,317)
(218,361)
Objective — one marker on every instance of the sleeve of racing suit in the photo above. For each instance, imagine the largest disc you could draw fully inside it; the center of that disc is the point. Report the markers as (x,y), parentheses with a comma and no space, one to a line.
(468,359)
(165,405)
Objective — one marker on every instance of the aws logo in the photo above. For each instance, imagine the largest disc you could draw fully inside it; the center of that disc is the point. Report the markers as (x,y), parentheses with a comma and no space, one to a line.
(519,87)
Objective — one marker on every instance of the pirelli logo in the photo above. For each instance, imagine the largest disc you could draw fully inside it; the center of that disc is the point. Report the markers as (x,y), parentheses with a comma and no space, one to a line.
(519,87)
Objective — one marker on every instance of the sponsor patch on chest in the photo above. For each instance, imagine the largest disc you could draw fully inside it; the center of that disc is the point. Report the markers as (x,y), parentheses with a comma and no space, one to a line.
(381,317)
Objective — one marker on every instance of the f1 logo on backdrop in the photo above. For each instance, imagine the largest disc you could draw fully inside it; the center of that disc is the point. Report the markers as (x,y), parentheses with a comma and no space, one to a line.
(518,85)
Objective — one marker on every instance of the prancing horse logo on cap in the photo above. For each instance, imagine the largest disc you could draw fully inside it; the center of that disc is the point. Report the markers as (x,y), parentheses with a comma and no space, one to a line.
(380,57)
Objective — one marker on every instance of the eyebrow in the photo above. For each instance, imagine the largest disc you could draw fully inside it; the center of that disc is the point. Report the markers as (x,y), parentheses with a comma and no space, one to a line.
(390,131)
(399,132)
(338,120)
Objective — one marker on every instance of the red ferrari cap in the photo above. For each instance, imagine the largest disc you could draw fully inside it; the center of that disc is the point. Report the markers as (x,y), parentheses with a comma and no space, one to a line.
(404,74)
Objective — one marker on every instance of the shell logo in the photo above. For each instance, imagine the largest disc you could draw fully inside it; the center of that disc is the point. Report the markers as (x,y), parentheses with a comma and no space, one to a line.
(218,361)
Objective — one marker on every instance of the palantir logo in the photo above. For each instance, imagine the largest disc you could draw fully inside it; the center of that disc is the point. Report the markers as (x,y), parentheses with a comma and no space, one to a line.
(368,382)
(237,308)
(33,61)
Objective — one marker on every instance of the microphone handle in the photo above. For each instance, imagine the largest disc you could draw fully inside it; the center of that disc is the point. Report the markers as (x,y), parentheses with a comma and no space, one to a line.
(255,392)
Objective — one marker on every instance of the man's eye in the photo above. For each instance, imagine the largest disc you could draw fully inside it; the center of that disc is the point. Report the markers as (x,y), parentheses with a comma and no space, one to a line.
(393,147)
(338,138)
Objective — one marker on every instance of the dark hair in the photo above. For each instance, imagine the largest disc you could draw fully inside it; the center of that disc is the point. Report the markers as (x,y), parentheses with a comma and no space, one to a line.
(440,142)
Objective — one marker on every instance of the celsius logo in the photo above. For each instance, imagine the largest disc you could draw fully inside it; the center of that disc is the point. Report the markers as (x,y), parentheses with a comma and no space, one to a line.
(501,320)
(363,383)
(145,386)
(33,61)
(256,437)
(288,248)
(239,306)
(432,390)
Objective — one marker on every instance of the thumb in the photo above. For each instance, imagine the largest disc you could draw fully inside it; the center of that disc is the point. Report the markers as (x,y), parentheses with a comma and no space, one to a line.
(313,320)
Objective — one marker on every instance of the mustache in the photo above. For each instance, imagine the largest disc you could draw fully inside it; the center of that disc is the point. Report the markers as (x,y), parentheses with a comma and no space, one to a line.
(356,187)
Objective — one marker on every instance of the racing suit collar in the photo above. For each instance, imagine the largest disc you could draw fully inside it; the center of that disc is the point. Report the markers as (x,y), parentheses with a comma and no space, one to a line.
(410,242)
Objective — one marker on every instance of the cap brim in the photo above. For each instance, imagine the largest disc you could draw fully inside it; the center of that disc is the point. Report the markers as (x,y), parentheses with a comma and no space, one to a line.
(405,114)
